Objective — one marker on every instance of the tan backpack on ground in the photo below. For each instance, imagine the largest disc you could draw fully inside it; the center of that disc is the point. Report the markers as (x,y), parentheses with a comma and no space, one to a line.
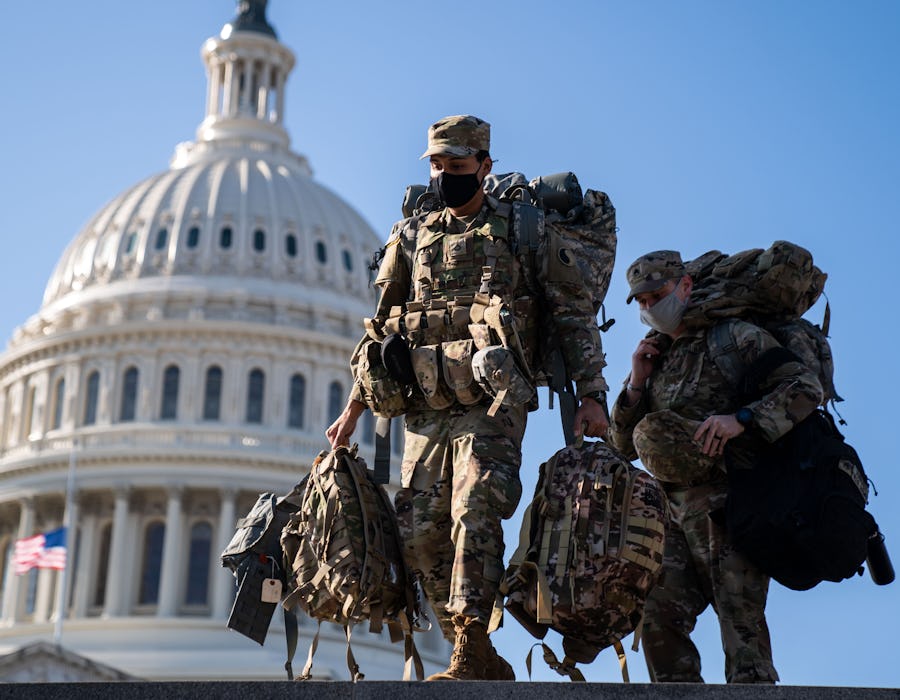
(344,557)
(590,550)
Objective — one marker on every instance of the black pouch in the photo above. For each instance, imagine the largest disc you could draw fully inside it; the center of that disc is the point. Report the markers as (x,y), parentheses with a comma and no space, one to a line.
(396,358)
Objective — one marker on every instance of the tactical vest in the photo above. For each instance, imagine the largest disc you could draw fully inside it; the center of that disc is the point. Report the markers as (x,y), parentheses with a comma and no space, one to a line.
(468,292)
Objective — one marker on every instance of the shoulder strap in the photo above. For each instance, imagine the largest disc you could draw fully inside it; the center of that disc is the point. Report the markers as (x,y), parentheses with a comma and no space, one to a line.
(724,351)
(290,634)
(382,463)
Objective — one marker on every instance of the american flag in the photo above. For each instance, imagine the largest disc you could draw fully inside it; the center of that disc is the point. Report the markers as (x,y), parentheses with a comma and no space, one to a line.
(45,551)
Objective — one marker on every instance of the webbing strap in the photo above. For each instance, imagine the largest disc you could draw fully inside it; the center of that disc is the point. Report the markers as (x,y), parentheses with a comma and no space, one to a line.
(413,660)
(623,662)
(306,674)
(566,667)
(638,631)
(382,464)
(290,635)
(637,521)
(352,666)
(565,541)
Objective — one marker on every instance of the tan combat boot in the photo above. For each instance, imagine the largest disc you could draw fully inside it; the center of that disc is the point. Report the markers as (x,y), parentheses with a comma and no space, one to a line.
(474,657)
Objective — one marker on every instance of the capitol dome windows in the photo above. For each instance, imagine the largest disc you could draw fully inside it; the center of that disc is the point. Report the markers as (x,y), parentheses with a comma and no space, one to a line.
(59,398)
(321,252)
(198,564)
(335,401)
(212,393)
(91,395)
(162,237)
(151,566)
(169,408)
(130,242)
(348,260)
(290,245)
(225,236)
(193,237)
(259,240)
(297,401)
(256,382)
(102,566)
(128,404)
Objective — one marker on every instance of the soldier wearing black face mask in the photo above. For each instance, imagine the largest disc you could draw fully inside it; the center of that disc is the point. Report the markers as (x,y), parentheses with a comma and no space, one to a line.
(467,306)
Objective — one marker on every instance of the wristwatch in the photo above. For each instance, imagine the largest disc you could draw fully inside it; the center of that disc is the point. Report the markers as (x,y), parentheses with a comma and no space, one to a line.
(744,416)
(598,396)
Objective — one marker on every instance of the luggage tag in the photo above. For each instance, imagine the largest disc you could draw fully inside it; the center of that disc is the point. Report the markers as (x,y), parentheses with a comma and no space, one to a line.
(271,588)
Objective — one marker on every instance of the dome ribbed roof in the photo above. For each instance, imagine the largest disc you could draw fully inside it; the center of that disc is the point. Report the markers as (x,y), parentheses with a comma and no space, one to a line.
(237,203)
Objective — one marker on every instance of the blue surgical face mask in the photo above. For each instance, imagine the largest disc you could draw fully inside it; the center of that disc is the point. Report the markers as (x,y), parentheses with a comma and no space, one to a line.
(666,314)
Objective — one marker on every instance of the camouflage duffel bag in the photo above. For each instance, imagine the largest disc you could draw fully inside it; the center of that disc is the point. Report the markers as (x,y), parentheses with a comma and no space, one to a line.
(344,556)
(590,550)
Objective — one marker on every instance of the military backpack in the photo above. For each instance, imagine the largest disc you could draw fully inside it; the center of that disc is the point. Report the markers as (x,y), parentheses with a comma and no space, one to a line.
(344,557)
(590,550)
(796,507)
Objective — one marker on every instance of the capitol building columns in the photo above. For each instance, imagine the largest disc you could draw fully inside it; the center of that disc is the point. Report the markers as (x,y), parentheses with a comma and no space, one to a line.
(223,588)
(117,573)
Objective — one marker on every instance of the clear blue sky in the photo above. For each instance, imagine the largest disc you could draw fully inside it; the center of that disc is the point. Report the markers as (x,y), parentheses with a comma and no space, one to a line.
(711,124)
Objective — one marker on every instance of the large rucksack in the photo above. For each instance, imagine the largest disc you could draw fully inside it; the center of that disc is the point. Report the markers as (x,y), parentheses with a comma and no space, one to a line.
(255,557)
(771,288)
(590,550)
(796,507)
(345,558)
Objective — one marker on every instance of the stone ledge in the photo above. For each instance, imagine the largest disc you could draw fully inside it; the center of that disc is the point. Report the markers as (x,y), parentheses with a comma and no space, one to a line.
(376,690)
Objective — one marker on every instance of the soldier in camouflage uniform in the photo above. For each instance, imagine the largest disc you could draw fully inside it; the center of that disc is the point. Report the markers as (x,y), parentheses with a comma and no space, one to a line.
(452,287)
(676,413)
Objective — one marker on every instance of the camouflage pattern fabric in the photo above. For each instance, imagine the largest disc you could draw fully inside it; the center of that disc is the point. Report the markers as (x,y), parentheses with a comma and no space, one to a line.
(460,480)
(460,135)
(343,548)
(702,569)
(665,442)
(698,569)
(771,288)
(590,550)
(446,256)
(651,271)
(689,382)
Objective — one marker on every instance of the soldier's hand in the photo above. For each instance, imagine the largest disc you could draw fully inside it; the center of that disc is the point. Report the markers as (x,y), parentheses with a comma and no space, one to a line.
(339,432)
(643,361)
(590,419)
(715,431)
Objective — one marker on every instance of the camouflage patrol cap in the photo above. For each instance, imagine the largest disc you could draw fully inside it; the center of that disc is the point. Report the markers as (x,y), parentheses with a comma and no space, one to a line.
(664,442)
(651,271)
(460,135)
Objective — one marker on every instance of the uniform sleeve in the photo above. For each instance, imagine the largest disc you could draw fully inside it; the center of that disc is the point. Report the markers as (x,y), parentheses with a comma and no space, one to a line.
(570,305)
(622,420)
(393,282)
(788,393)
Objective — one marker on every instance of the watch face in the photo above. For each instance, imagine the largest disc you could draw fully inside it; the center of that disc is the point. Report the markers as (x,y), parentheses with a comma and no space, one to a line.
(744,416)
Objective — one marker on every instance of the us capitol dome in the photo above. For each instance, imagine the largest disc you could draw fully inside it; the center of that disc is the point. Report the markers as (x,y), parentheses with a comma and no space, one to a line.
(191,349)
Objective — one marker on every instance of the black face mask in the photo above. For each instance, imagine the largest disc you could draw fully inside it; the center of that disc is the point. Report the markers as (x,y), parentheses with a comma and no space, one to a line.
(456,190)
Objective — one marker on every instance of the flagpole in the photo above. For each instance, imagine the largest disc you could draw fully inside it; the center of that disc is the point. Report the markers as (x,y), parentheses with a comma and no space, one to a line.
(62,587)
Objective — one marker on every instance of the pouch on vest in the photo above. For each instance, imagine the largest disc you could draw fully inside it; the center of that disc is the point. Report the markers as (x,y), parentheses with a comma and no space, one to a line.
(457,365)
(496,370)
(426,362)
(396,359)
(384,394)
(665,444)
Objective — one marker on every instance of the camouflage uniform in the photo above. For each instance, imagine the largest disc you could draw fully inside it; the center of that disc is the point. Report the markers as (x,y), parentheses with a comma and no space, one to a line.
(460,470)
(700,567)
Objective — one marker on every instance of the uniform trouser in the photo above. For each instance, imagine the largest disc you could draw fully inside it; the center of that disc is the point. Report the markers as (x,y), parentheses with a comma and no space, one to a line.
(699,569)
(459,481)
